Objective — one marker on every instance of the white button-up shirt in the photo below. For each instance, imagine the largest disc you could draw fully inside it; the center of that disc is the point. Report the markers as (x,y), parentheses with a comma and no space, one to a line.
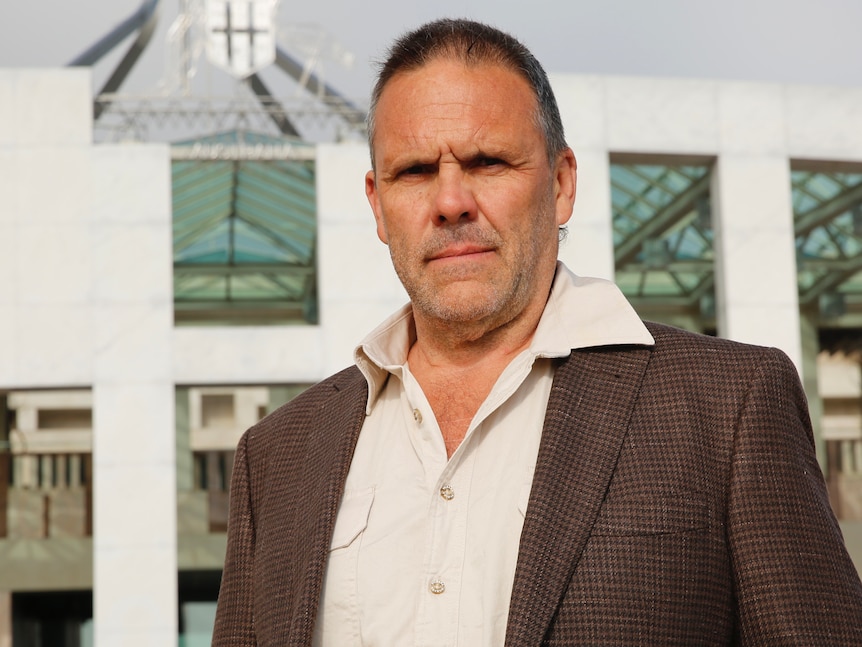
(425,547)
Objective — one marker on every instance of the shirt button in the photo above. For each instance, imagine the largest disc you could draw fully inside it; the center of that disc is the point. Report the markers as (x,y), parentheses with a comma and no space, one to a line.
(447,492)
(437,587)
(417,416)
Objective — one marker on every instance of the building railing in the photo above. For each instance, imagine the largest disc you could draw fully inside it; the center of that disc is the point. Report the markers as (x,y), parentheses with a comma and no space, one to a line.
(212,475)
(844,456)
(844,477)
(46,495)
(51,495)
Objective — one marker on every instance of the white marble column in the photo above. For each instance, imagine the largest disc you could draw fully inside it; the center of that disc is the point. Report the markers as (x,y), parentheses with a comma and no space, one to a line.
(756,284)
(134,447)
(589,247)
(756,288)
(86,301)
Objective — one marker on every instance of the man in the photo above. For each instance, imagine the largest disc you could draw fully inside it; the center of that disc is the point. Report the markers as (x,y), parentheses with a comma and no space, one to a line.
(516,459)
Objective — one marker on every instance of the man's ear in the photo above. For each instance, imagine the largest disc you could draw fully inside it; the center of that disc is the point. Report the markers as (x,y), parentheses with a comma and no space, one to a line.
(374,201)
(565,185)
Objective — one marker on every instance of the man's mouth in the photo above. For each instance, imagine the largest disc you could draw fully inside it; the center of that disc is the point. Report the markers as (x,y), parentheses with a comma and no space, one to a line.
(463,249)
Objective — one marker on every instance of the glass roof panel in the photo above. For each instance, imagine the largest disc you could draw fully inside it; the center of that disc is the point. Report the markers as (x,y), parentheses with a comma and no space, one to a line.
(827,212)
(245,230)
(662,232)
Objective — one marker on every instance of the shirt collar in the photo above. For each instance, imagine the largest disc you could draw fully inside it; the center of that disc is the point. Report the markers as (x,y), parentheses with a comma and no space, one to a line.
(581,312)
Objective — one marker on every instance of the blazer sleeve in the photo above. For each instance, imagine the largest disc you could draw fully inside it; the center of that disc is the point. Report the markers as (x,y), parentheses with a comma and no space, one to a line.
(795,583)
(234,622)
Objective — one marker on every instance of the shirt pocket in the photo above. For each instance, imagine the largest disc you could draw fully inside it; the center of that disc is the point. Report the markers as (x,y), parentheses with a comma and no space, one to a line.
(352,517)
(338,614)
(524,496)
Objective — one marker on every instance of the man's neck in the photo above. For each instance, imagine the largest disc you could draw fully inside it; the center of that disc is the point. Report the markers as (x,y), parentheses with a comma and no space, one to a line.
(457,366)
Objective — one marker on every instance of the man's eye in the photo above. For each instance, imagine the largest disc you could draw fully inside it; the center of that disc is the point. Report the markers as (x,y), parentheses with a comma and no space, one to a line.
(416,169)
(489,161)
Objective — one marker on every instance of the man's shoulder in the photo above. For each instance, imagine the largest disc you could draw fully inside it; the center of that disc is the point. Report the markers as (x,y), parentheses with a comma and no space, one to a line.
(683,356)
(690,352)
(340,393)
(347,381)
(668,337)
(665,334)
(344,383)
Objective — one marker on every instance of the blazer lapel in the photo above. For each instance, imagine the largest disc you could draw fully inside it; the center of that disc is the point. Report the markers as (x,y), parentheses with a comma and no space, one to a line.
(589,409)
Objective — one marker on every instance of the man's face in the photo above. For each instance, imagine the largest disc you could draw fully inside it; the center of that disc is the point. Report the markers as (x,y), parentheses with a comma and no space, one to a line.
(463,192)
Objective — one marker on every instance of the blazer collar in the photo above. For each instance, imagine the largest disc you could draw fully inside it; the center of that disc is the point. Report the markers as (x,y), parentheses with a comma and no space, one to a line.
(589,409)
(581,312)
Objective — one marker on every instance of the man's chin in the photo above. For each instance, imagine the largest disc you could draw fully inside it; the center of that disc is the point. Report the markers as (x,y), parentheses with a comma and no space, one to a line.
(458,304)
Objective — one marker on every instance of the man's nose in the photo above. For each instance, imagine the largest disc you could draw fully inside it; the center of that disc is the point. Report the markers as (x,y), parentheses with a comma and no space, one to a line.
(455,200)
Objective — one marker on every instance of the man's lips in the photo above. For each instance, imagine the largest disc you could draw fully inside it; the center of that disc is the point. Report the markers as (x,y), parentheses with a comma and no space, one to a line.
(459,250)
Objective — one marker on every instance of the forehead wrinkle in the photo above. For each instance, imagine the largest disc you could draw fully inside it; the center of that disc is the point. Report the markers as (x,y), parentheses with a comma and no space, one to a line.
(438,137)
(477,135)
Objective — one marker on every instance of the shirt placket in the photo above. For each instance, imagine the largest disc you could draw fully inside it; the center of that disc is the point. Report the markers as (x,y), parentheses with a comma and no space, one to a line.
(439,600)
(448,483)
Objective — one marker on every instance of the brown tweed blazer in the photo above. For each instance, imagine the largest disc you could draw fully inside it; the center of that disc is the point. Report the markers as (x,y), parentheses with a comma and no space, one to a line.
(676,501)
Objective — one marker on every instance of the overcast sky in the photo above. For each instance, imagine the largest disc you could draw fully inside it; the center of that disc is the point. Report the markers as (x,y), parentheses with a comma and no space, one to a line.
(796,41)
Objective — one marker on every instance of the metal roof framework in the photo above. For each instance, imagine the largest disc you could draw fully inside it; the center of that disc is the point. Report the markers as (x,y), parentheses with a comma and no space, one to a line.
(120,116)
(663,238)
(245,233)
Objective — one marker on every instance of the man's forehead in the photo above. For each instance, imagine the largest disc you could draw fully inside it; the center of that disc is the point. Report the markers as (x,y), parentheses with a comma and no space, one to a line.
(441,94)
(446,73)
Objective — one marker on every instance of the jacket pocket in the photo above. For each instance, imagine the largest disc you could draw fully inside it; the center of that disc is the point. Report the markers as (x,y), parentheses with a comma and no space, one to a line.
(652,515)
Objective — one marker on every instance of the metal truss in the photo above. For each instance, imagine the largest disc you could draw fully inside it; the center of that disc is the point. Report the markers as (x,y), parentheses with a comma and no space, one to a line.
(663,247)
(827,207)
(167,118)
(173,112)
